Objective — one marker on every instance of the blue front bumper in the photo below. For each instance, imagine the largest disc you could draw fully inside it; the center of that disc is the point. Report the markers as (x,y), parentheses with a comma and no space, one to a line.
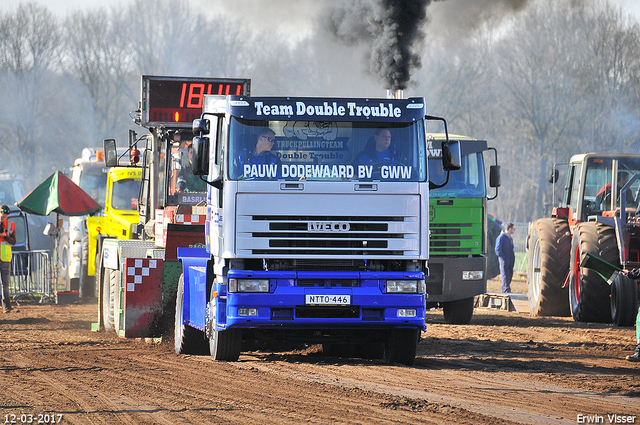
(287,304)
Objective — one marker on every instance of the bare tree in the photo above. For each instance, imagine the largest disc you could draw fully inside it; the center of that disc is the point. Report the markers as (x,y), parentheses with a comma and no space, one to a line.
(99,56)
(165,36)
(536,67)
(29,46)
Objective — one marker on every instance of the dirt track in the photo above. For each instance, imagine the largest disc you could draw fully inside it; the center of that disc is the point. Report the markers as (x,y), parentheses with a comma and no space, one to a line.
(504,368)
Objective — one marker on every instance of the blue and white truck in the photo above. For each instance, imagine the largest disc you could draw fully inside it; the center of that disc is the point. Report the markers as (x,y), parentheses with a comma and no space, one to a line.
(321,238)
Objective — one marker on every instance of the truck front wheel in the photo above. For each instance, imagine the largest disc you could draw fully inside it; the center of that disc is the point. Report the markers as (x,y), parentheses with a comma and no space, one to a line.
(187,340)
(223,345)
(549,254)
(624,301)
(588,292)
(401,346)
(458,312)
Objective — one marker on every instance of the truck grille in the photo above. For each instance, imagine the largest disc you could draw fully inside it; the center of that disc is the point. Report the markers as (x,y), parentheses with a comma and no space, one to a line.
(454,238)
(314,235)
(393,232)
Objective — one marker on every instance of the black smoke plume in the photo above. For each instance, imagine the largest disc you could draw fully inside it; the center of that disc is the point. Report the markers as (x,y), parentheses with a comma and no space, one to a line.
(391,29)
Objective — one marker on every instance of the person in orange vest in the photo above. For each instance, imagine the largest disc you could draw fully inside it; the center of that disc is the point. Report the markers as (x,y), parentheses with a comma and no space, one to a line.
(7,238)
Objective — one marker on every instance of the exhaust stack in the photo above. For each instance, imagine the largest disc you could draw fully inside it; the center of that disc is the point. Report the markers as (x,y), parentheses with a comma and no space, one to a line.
(395,94)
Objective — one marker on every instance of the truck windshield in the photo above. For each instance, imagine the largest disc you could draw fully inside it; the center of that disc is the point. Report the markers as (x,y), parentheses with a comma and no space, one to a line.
(94,182)
(468,182)
(326,151)
(125,194)
(599,179)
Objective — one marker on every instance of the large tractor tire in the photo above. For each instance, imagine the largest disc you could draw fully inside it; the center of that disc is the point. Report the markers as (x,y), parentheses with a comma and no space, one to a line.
(548,266)
(624,301)
(588,292)
(223,345)
(187,340)
(458,312)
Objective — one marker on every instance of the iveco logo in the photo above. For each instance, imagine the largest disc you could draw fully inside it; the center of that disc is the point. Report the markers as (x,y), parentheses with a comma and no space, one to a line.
(328,226)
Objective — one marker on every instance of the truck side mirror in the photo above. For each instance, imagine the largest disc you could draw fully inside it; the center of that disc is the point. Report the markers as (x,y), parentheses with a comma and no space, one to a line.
(451,157)
(201,126)
(200,156)
(494,176)
(553,178)
(110,153)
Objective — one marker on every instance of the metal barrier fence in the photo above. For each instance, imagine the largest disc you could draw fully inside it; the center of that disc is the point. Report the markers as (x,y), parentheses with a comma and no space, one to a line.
(32,277)
(520,245)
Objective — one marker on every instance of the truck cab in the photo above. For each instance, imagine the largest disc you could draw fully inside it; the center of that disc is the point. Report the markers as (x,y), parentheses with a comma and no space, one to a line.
(120,213)
(317,226)
(459,242)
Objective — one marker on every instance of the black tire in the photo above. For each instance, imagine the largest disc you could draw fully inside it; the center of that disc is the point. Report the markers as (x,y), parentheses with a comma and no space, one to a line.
(549,253)
(458,312)
(588,292)
(223,345)
(401,345)
(187,340)
(108,298)
(86,284)
(624,301)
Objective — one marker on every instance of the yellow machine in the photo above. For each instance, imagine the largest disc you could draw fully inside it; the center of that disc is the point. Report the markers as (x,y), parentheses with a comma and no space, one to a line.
(120,210)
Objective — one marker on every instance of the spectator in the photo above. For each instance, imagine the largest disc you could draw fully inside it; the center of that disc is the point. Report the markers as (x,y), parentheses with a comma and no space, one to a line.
(635,357)
(7,238)
(506,256)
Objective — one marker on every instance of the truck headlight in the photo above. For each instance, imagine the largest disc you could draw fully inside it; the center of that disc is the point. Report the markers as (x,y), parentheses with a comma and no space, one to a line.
(405,287)
(472,275)
(248,285)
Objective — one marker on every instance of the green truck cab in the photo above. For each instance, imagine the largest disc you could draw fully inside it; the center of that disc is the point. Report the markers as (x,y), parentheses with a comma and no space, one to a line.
(120,210)
(458,226)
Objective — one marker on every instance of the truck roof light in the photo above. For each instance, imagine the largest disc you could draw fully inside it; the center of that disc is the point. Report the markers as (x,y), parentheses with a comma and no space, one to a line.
(134,156)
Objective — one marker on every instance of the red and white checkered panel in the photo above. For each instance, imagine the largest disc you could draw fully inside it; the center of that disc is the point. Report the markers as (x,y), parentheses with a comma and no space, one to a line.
(142,296)
(191,218)
(137,269)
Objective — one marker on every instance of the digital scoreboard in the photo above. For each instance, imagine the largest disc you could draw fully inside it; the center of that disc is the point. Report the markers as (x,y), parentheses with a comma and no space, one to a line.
(177,101)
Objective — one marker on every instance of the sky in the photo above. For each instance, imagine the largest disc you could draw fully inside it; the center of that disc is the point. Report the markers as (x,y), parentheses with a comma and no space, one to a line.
(62,7)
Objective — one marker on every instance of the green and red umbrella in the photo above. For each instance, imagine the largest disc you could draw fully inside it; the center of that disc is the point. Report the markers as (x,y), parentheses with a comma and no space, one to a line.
(58,194)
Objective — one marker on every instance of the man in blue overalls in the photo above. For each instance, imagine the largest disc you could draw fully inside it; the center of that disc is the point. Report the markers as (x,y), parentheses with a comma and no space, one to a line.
(506,256)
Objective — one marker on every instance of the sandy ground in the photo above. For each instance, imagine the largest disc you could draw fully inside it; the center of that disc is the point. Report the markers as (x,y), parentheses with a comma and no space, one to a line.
(506,367)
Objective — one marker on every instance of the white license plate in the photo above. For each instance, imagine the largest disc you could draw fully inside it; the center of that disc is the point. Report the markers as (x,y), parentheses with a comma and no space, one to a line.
(327,299)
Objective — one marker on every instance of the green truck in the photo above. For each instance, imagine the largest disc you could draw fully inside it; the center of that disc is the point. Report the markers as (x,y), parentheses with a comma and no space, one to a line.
(459,239)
